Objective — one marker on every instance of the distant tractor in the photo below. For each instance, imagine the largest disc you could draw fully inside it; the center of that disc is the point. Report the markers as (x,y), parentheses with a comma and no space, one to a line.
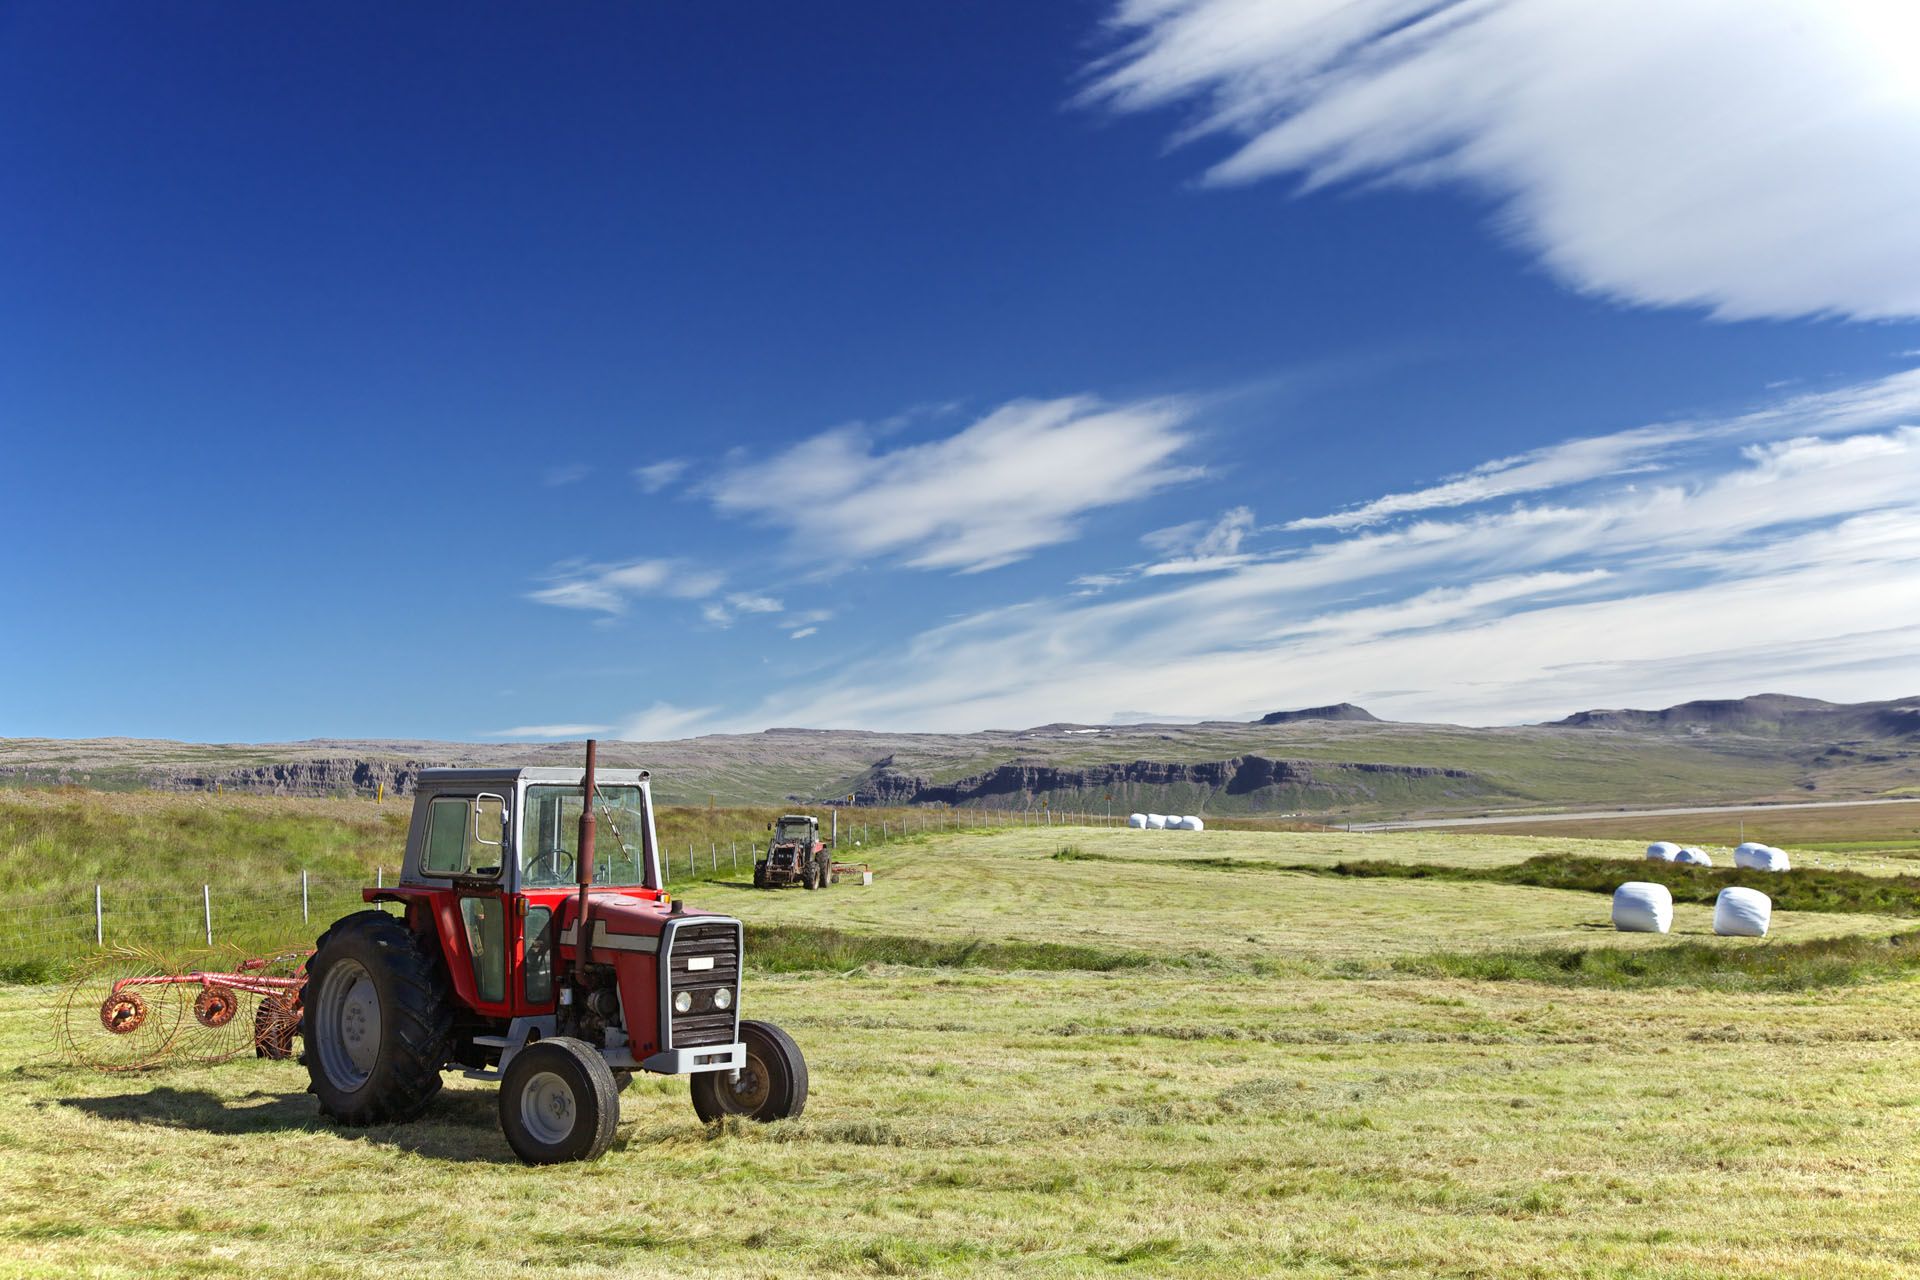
(523,958)
(794,856)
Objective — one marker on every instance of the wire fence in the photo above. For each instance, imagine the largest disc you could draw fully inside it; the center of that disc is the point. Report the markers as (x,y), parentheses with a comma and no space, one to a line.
(41,940)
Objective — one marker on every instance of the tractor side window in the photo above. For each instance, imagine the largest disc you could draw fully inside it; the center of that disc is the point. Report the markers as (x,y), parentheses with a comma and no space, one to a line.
(486,921)
(539,962)
(446,852)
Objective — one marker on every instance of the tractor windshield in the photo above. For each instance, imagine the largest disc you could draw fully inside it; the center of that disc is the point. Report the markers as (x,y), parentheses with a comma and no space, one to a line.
(794,831)
(551,837)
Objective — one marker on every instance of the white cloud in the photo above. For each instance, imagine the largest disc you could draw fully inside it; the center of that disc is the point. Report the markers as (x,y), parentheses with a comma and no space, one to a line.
(994,492)
(801,633)
(1746,156)
(1777,561)
(552,731)
(609,588)
(565,474)
(664,721)
(656,476)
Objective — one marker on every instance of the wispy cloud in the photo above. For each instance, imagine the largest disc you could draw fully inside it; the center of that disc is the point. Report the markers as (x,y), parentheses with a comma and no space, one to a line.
(656,476)
(722,613)
(664,721)
(801,633)
(564,474)
(1787,549)
(610,588)
(551,731)
(1016,480)
(1746,156)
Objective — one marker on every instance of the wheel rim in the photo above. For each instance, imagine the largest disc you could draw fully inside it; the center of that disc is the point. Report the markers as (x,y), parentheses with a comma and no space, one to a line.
(215,1006)
(749,1093)
(548,1111)
(348,1022)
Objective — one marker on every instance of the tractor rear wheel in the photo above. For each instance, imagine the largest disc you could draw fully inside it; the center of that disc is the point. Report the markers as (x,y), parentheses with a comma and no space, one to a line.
(809,874)
(772,1084)
(559,1102)
(376,1021)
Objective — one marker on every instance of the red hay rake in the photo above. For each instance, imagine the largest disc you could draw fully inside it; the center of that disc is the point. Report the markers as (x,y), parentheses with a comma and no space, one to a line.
(131,1008)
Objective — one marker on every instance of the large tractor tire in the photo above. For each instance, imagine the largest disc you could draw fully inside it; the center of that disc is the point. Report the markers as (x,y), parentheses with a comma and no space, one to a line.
(559,1101)
(810,874)
(772,1085)
(376,1021)
(760,874)
(826,870)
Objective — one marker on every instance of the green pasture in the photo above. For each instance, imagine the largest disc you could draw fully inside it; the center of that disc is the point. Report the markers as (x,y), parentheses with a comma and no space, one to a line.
(1097,1052)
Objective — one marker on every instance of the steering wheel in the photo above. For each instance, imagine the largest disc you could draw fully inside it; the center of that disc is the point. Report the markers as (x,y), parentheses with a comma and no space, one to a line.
(559,860)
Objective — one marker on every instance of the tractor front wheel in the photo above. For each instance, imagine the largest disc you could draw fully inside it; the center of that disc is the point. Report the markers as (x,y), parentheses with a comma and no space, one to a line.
(559,1101)
(376,1020)
(772,1084)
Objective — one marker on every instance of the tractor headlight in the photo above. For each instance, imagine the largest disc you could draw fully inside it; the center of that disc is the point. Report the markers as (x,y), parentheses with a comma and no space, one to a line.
(723,999)
(683,1002)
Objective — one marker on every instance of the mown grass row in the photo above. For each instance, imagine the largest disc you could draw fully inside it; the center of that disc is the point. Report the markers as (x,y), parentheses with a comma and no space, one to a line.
(1740,966)
(1802,889)
(1771,966)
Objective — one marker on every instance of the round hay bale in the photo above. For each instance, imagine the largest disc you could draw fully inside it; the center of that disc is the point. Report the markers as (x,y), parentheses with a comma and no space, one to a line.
(1639,906)
(1662,851)
(1742,913)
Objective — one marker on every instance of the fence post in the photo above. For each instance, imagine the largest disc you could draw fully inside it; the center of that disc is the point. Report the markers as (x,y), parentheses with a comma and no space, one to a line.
(206,901)
(379,877)
(99,920)
(733,851)
(304,917)
(713,847)
(690,870)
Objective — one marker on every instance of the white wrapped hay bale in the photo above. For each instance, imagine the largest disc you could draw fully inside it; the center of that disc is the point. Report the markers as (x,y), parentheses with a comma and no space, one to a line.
(1187,823)
(1755,856)
(1156,822)
(1662,851)
(1693,857)
(1136,819)
(1742,913)
(1642,907)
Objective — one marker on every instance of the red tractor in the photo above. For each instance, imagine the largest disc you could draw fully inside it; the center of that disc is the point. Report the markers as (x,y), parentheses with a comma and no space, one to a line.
(522,956)
(795,855)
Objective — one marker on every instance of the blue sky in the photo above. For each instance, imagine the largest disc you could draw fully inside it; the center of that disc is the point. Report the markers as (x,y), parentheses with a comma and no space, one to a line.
(451,372)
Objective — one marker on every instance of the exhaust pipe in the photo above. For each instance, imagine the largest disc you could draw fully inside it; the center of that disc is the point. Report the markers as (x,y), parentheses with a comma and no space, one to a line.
(584,863)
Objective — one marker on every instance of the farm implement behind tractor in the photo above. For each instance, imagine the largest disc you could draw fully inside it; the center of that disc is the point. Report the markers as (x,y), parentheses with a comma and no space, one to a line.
(132,1008)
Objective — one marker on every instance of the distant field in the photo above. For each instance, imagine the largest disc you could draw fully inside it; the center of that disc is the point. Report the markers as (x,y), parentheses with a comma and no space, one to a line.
(151,853)
(1254,1071)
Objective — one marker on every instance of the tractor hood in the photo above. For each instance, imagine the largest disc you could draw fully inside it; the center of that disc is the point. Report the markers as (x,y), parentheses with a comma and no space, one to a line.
(623,923)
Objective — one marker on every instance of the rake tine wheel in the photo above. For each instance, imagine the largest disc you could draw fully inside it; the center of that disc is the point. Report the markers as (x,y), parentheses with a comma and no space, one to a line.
(120,1013)
(221,1010)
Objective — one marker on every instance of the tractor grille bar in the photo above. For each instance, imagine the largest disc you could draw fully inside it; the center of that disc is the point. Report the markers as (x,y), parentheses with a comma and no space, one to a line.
(690,948)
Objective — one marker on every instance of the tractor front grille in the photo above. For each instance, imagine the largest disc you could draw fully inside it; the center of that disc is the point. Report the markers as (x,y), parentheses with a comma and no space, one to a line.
(688,949)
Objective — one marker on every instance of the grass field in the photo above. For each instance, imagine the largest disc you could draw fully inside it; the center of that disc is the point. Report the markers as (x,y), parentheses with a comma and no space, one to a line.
(1031,1058)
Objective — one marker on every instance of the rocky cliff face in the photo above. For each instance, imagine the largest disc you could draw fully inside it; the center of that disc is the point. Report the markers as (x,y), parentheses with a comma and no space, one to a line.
(1249,782)
(305,778)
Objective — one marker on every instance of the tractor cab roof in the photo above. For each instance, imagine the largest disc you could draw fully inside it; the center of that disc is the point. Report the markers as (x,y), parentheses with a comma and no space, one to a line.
(440,779)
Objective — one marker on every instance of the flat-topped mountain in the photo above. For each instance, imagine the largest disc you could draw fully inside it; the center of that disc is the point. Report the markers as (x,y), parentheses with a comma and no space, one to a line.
(1766,714)
(1338,711)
